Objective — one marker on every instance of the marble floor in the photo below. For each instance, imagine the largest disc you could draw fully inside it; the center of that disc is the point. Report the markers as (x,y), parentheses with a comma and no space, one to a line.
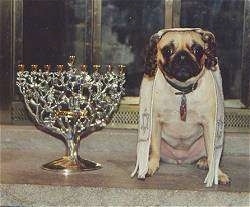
(24,149)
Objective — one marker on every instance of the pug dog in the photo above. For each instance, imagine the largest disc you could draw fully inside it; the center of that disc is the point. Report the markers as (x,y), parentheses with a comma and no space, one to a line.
(184,109)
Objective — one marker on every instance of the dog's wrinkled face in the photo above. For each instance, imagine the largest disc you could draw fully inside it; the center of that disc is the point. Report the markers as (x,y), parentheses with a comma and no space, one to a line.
(180,55)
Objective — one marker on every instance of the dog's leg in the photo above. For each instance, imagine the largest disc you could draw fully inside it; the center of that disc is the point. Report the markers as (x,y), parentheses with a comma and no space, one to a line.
(155,147)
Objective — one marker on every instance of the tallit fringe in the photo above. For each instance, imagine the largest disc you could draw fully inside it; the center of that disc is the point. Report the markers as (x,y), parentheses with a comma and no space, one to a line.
(142,159)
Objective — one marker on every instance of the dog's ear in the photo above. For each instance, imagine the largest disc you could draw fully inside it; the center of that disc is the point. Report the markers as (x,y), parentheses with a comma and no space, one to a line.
(210,49)
(151,55)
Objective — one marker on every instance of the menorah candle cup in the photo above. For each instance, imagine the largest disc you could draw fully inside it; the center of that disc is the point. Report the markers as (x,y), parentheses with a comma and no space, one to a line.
(34,67)
(59,68)
(47,68)
(96,68)
(71,106)
(71,60)
(83,68)
(122,68)
(21,67)
(109,68)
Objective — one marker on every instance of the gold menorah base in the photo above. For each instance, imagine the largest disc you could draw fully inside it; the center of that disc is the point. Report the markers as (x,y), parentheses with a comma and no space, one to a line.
(67,165)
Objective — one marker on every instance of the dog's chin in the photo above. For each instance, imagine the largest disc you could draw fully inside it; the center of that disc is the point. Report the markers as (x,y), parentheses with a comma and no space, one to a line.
(182,75)
(184,79)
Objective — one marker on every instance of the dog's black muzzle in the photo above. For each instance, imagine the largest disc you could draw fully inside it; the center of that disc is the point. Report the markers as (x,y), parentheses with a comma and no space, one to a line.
(182,67)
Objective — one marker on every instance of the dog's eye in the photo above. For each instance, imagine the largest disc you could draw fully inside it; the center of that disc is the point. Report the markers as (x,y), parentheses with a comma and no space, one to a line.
(167,51)
(197,50)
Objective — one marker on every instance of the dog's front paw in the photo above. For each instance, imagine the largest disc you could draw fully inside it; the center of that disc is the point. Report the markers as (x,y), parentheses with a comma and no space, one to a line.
(223,179)
(153,166)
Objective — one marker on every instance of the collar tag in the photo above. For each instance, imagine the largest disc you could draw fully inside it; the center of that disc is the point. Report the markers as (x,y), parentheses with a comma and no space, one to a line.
(183,107)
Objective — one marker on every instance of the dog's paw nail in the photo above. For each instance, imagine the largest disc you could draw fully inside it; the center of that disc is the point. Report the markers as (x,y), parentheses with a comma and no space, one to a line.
(224,180)
(153,167)
(202,164)
(149,173)
(202,167)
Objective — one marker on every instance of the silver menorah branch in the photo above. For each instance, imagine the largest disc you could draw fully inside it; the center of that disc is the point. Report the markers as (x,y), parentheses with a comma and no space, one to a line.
(71,103)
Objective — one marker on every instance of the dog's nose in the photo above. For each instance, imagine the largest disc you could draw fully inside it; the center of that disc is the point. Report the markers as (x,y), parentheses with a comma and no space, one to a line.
(182,56)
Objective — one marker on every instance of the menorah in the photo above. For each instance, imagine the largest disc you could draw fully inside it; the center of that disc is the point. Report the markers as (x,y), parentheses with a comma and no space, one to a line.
(71,103)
